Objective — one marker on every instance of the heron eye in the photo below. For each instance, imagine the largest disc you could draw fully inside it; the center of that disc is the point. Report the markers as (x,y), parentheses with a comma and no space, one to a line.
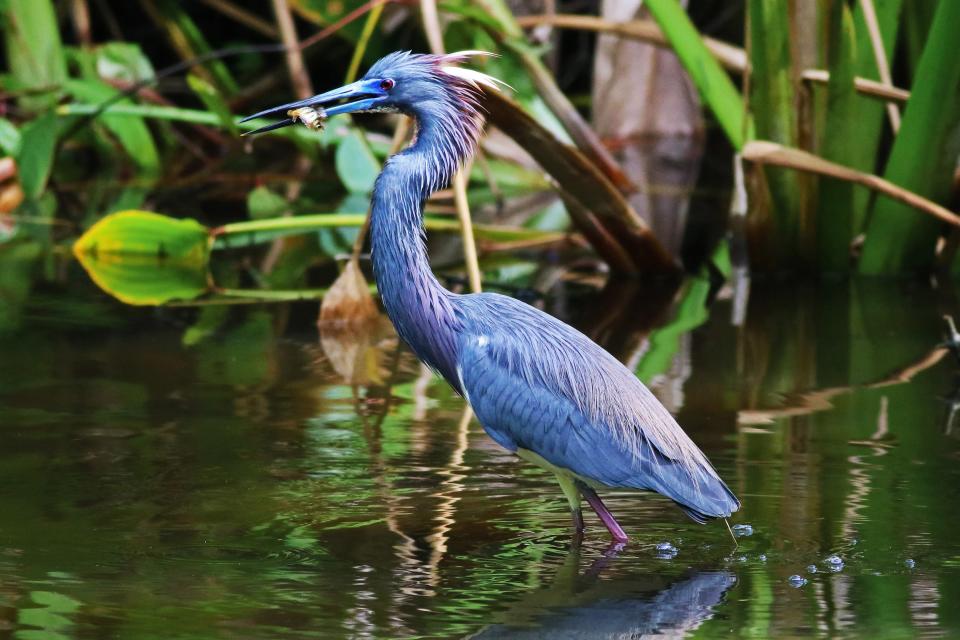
(387,83)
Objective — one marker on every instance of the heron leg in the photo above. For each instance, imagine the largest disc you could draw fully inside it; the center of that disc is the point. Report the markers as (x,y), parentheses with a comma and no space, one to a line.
(616,531)
(572,493)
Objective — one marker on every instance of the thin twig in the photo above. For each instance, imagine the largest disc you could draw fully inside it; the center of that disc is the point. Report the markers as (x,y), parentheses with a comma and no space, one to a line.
(80,14)
(466,224)
(431,25)
(880,56)
(342,22)
(288,34)
(869,88)
(732,57)
(779,155)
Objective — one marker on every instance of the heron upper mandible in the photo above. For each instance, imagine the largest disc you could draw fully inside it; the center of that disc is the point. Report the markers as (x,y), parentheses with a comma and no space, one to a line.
(539,387)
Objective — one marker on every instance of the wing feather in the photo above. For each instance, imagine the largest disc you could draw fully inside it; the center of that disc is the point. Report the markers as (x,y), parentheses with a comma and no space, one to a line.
(536,383)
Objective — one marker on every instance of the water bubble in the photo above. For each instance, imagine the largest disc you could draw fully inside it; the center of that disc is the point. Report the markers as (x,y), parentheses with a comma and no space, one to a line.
(909,563)
(811,568)
(797,581)
(666,551)
(834,563)
(742,530)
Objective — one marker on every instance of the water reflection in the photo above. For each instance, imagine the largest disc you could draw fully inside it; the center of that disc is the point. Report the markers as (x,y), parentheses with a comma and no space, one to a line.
(586,606)
(358,352)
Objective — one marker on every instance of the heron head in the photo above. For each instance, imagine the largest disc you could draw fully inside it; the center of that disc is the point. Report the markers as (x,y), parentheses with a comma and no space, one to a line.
(416,84)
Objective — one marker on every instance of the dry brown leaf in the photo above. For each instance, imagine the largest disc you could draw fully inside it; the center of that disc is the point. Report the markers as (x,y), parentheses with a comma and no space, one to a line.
(348,301)
(356,352)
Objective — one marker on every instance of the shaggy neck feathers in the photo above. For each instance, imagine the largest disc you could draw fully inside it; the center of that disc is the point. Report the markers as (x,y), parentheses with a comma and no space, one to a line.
(419,307)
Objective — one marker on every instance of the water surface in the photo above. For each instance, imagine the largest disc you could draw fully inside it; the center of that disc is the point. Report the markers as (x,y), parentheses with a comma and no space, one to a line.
(262,482)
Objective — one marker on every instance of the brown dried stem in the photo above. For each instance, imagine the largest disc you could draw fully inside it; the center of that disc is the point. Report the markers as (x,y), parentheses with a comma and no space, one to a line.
(771,153)
(730,56)
(880,55)
(596,206)
(299,77)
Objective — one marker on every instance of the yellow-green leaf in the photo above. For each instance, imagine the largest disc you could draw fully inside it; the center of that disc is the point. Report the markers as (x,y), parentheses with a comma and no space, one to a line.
(140,279)
(142,233)
(144,258)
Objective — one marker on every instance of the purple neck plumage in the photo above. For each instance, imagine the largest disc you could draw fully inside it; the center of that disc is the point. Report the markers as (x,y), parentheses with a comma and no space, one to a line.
(423,312)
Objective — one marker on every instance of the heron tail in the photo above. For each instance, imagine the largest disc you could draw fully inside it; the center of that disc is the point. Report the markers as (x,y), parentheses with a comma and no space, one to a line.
(707,500)
(697,489)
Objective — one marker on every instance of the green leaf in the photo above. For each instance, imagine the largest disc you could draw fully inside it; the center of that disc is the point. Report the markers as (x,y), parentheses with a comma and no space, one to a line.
(132,133)
(190,41)
(264,203)
(123,61)
(325,13)
(55,601)
(213,101)
(43,618)
(923,157)
(143,233)
(36,154)
(836,223)
(146,280)
(713,83)
(773,104)
(356,165)
(10,138)
(34,49)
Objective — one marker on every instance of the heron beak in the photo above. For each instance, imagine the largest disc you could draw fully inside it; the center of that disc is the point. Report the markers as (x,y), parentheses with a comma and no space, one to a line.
(358,96)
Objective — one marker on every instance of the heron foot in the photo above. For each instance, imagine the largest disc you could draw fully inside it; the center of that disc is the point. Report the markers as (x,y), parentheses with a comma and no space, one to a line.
(616,531)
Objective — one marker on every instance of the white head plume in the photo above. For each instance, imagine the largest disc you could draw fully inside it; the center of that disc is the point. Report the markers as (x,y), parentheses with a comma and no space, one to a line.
(474,77)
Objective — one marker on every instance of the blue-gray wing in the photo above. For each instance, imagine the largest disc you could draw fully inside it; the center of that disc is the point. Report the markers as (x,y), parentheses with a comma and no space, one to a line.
(536,383)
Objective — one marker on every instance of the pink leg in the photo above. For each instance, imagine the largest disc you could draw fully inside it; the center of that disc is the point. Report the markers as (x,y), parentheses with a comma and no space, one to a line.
(603,513)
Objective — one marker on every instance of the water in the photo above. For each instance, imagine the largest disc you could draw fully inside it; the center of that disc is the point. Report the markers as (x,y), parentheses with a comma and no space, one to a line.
(239,488)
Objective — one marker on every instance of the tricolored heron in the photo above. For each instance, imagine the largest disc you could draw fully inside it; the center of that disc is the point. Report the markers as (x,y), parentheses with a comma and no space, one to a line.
(539,387)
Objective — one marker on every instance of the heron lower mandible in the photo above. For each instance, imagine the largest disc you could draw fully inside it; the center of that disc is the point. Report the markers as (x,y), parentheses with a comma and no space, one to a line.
(539,387)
